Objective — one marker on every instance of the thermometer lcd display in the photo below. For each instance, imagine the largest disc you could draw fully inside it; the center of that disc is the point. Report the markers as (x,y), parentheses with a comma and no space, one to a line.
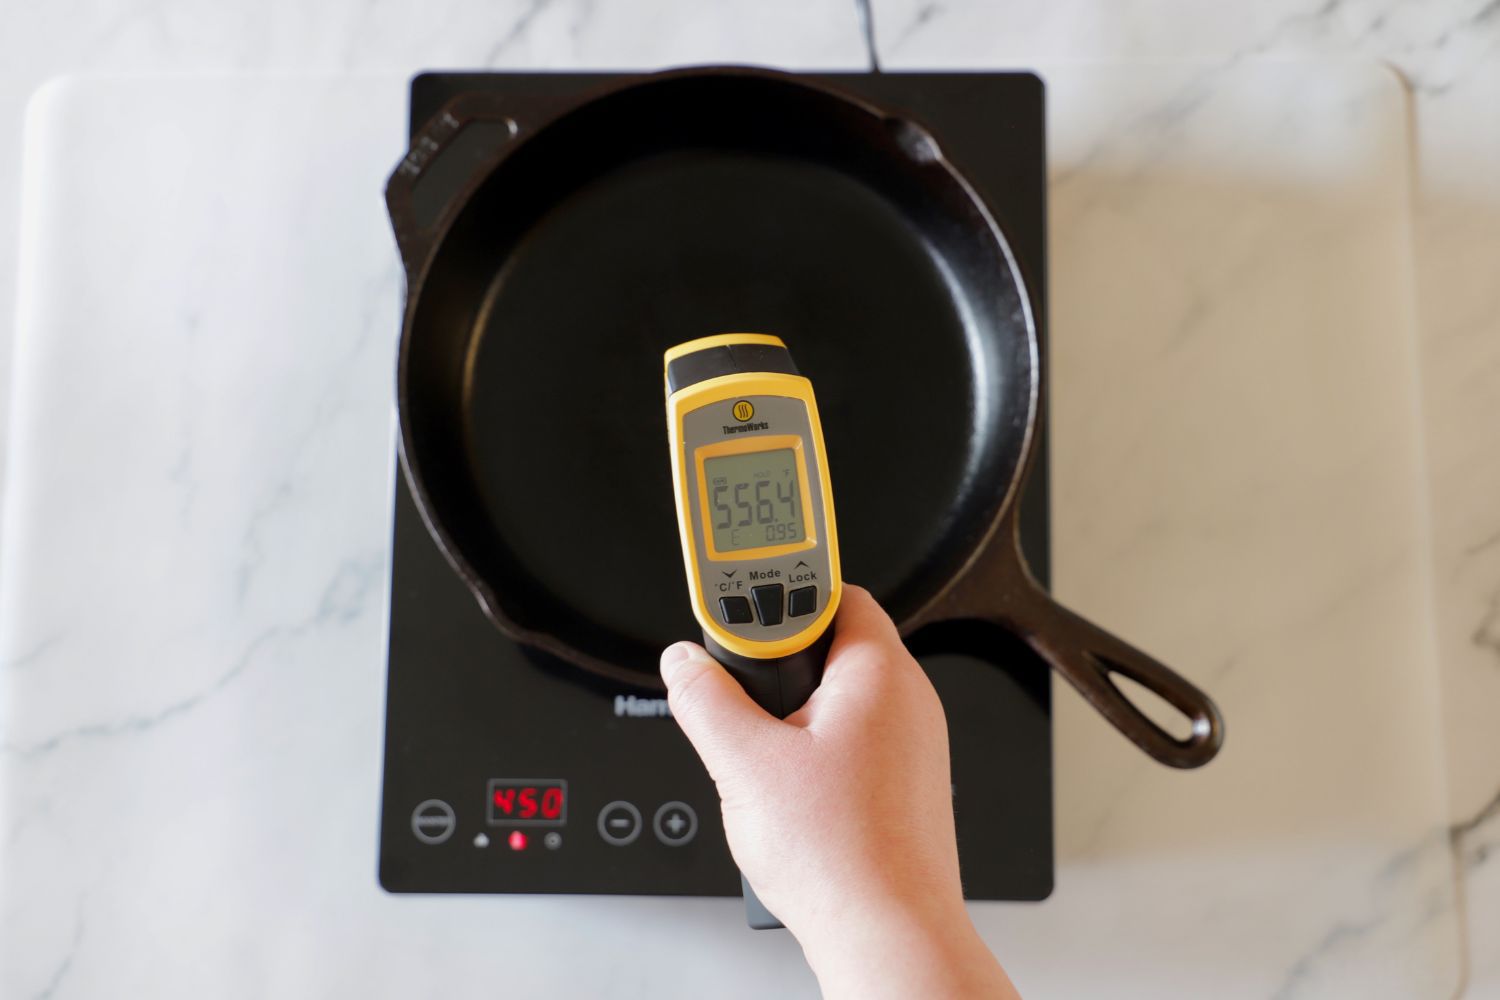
(754,499)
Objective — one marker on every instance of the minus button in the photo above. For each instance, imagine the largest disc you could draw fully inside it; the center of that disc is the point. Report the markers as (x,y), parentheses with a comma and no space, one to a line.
(619,823)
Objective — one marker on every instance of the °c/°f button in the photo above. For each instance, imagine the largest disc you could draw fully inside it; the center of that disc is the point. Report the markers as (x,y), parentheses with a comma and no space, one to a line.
(619,823)
(735,610)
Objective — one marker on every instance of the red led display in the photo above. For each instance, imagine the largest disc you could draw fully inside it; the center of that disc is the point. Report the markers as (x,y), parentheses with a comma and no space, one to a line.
(528,802)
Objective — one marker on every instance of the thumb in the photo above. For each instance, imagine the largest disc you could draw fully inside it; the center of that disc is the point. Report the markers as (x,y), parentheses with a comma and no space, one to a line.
(714,712)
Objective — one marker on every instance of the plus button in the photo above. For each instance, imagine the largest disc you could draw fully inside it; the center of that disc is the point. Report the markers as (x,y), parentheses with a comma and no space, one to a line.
(675,824)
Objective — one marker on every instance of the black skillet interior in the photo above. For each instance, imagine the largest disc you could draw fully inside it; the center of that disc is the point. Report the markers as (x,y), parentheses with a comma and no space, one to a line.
(683,206)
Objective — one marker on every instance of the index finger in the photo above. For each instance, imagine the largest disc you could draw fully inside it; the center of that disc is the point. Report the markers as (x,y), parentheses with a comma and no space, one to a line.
(866,648)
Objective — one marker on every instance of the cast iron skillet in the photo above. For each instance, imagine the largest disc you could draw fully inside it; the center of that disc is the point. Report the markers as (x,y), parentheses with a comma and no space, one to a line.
(703,201)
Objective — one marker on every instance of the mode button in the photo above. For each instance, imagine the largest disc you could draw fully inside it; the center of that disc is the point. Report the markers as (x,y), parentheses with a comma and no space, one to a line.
(768,602)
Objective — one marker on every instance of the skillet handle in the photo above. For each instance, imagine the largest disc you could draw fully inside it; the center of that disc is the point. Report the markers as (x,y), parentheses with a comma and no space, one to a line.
(414,234)
(1086,656)
(1000,588)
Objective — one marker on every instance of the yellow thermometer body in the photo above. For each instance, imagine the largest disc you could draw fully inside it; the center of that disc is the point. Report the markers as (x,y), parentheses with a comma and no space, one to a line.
(754,511)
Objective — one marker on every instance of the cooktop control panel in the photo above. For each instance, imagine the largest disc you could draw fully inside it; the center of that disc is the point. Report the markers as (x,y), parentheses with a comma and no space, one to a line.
(508,771)
(531,814)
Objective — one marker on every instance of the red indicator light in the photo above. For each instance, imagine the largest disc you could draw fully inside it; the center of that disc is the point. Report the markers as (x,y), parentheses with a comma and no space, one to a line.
(517,840)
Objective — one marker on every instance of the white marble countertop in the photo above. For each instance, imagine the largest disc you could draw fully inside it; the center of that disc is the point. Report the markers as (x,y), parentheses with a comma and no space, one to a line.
(1442,49)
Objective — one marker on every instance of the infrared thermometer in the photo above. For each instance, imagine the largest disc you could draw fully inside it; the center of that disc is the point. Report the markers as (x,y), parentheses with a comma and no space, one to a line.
(755,515)
(755,512)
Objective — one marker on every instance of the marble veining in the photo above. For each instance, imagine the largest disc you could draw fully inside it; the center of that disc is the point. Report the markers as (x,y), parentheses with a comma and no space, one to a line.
(1445,51)
(229,678)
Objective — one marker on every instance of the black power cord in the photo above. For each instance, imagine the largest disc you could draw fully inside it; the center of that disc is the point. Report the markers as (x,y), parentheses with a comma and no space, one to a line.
(867,27)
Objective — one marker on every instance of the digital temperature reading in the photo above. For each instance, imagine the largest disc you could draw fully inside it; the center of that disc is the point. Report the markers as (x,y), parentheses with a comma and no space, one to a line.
(754,499)
(528,803)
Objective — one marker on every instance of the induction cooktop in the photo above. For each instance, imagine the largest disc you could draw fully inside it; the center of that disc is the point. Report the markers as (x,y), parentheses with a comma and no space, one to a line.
(508,771)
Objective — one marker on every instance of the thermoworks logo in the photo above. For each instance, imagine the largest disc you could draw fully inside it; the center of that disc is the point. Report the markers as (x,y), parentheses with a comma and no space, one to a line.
(628,706)
(759,425)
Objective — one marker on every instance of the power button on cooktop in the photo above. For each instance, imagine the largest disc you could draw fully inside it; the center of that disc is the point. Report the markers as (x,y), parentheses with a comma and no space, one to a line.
(433,821)
(619,823)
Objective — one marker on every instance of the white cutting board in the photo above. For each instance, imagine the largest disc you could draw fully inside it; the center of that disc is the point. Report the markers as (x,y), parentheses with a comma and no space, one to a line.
(194,554)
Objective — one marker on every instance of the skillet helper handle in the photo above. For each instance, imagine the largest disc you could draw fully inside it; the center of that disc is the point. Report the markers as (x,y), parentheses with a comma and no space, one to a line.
(1087,656)
(414,235)
(780,687)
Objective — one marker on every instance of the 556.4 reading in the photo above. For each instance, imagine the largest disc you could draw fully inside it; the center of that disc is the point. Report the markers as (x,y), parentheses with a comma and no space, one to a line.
(754,499)
(753,503)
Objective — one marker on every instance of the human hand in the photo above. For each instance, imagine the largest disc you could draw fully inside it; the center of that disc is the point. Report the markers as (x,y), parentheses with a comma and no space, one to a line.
(841,815)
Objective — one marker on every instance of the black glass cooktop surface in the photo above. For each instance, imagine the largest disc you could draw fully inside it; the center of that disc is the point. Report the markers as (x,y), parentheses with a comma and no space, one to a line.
(509,771)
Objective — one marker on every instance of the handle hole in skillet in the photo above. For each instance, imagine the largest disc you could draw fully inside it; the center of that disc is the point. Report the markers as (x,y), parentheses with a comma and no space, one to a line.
(1152,705)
